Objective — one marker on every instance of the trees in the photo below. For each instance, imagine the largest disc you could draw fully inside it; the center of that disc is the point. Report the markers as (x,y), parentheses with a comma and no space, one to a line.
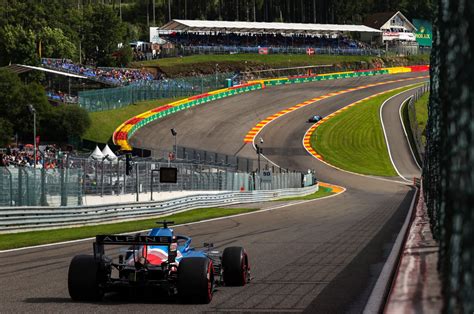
(54,123)
(17,45)
(61,28)
(103,31)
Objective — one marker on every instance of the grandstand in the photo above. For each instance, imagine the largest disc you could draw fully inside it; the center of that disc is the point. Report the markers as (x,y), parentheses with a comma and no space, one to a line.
(194,36)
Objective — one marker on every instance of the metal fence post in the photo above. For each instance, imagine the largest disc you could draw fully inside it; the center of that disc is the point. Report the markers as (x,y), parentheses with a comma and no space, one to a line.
(11,184)
(20,187)
(79,190)
(43,188)
(137,182)
(63,188)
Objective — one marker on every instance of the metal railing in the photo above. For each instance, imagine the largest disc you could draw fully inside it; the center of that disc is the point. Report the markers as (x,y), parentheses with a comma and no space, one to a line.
(416,131)
(118,97)
(78,178)
(193,50)
(27,218)
(23,186)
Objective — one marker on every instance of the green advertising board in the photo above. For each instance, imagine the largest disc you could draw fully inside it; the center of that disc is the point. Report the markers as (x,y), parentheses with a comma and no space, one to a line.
(424,33)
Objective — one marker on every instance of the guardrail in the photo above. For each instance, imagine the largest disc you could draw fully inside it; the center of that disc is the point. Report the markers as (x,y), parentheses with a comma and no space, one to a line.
(41,218)
(416,131)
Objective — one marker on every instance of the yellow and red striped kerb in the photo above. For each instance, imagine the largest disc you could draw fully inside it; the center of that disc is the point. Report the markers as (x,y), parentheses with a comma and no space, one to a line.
(252,134)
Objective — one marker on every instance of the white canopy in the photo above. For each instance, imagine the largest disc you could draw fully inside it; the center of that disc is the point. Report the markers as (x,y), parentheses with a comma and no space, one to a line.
(109,153)
(262,27)
(96,154)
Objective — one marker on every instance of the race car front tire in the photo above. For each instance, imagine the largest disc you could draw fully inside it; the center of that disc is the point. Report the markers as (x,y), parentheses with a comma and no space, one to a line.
(235,266)
(195,280)
(84,279)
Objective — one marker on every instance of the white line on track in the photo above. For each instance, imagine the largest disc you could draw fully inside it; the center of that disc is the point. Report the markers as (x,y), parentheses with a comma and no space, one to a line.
(180,225)
(359,174)
(386,137)
(405,131)
(385,132)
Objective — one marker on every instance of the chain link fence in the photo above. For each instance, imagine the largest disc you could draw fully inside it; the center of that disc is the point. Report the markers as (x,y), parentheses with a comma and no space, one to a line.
(448,174)
(81,179)
(118,97)
(202,50)
(22,186)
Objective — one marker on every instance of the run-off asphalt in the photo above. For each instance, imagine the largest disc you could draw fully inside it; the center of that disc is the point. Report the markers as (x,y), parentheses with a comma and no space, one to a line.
(320,256)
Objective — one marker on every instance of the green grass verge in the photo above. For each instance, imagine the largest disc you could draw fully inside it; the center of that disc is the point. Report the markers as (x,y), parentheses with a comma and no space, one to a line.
(206,64)
(16,240)
(411,139)
(353,140)
(421,108)
(104,123)
(323,191)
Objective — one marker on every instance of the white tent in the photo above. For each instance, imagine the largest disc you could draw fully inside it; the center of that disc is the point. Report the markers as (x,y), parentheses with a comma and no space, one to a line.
(109,153)
(96,154)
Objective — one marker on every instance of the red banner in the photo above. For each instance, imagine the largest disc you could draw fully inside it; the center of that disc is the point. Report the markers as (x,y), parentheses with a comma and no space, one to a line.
(262,51)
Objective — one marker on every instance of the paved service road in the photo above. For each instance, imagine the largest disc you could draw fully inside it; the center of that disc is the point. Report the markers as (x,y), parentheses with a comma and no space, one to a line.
(317,256)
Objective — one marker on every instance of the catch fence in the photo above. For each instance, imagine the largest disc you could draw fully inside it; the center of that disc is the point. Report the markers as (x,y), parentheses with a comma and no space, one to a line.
(79,179)
(118,97)
(200,50)
(448,172)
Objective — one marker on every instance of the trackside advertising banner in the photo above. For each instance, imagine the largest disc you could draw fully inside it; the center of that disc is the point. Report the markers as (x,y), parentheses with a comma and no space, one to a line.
(424,33)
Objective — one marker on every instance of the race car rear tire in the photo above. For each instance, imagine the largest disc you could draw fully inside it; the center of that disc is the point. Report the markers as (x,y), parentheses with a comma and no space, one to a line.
(235,266)
(84,279)
(196,280)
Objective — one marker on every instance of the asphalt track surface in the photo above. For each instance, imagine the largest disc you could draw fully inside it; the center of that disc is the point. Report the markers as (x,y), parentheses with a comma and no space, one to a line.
(320,256)
(399,146)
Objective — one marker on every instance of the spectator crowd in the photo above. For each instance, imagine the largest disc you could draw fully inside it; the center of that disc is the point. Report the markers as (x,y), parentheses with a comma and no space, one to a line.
(115,76)
(23,156)
(263,40)
(62,97)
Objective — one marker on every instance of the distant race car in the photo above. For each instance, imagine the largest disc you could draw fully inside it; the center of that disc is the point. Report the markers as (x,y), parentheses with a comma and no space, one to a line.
(159,259)
(315,118)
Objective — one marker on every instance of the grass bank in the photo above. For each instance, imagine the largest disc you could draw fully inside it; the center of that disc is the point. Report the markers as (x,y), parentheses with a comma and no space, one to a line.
(23,239)
(353,140)
(206,64)
(322,192)
(421,108)
(104,123)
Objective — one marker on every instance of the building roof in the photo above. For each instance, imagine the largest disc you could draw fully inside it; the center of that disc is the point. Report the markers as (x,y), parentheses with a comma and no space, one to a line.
(377,20)
(262,27)
(22,68)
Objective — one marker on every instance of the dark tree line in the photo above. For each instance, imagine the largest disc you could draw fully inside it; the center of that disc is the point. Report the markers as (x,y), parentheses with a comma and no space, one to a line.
(91,29)
(54,123)
(294,11)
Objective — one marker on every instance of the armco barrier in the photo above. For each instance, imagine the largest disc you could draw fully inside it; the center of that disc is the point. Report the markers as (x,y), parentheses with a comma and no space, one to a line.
(126,130)
(30,218)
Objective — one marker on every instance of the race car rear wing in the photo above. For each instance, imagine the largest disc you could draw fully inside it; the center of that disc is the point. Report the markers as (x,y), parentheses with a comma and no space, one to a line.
(102,240)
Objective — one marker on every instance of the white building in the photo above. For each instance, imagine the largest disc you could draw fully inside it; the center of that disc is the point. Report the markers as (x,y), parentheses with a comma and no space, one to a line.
(395,27)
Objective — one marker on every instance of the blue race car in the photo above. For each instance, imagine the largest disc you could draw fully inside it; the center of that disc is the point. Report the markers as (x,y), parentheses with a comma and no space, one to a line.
(159,259)
(315,119)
